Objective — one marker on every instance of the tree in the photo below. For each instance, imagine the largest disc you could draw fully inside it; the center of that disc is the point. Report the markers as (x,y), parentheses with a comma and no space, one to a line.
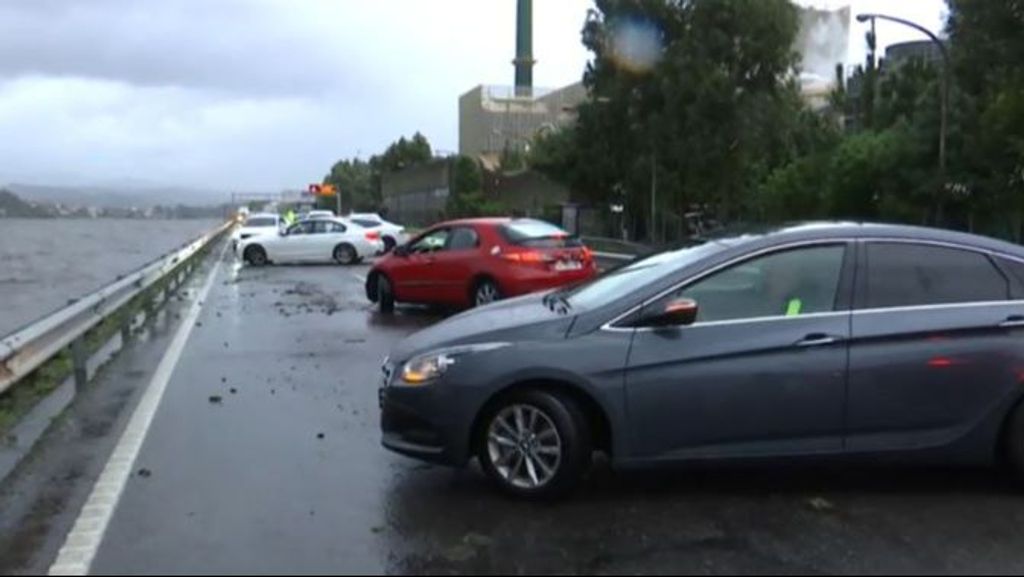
(359,182)
(466,197)
(988,54)
(707,119)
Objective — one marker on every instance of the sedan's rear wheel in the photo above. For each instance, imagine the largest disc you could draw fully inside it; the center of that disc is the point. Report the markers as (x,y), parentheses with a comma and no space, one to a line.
(255,255)
(535,444)
(1013,442)
(345,254)
(389,244)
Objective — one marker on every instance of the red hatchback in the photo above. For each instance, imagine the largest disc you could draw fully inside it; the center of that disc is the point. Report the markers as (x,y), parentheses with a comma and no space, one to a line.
(477,261)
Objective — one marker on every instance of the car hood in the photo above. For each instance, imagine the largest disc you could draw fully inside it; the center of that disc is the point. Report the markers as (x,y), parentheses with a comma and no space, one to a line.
(518,319)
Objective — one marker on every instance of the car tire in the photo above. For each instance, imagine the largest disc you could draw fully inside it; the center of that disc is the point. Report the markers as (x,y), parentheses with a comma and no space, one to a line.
(485,291)
(1013,443)
(542,454)
(255,255)
(389,244)
(385,294)
(345,254)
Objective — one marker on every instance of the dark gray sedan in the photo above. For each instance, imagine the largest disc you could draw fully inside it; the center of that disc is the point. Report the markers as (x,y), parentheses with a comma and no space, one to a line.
(850,341)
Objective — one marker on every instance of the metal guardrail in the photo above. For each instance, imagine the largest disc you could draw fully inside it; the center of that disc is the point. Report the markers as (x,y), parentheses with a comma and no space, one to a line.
(30,347)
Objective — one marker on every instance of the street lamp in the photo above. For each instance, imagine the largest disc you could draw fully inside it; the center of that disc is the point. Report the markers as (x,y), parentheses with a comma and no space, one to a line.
(945,77)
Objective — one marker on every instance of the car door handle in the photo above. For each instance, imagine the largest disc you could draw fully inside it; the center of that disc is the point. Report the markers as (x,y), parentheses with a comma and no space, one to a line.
(1012,321)
(817,340)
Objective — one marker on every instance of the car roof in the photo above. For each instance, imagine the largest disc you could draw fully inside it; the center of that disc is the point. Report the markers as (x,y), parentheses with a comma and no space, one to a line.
(824,230)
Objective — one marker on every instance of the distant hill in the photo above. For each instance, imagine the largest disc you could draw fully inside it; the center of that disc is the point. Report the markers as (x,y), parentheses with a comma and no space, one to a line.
(139,196)
(11,206)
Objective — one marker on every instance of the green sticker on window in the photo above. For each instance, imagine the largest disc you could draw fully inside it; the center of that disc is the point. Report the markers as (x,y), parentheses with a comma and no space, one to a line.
(793,309)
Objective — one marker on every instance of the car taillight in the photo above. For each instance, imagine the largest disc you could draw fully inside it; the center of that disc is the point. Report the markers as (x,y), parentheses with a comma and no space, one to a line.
(587,254)
(528,257)
(373,235)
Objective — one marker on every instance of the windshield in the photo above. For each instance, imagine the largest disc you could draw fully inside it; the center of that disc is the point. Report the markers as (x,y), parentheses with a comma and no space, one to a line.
(261,222)
(620,282)
(537,234)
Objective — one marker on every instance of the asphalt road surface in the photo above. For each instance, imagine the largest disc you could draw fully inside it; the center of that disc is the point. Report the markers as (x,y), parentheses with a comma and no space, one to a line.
(264,456)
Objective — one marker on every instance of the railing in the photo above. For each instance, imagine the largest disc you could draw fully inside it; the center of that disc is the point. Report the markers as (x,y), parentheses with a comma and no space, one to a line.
(32,346)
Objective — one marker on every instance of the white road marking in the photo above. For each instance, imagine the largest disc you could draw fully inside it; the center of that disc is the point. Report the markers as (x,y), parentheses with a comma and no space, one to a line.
(361,278)
(82,543)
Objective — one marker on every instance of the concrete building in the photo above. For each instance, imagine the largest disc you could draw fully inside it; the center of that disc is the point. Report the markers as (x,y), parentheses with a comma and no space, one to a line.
(896,55)
(493,119)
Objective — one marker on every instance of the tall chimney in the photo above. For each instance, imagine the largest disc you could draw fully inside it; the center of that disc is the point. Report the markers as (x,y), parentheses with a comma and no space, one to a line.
(524,48)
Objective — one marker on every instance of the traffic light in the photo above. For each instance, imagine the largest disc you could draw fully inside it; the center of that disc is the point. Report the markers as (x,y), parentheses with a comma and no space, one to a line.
(315,189)
(328,190)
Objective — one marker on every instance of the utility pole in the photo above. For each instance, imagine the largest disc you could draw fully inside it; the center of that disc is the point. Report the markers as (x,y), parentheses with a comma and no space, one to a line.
(946,71)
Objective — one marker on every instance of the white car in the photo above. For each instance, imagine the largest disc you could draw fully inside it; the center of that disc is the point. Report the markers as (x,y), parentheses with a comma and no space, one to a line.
(317,214)
(392,234)
(254,225)
(313,241)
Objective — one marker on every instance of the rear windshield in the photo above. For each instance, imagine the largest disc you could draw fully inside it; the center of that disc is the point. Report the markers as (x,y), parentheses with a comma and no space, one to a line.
(261,221)
(366,223)
(537,234)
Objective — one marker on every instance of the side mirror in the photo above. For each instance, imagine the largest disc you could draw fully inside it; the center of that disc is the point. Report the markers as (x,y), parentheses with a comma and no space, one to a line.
(676,313)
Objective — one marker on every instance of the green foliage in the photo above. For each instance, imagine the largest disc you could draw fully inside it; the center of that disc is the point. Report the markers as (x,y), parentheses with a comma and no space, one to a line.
(359,182)
(466,198)
(712,116)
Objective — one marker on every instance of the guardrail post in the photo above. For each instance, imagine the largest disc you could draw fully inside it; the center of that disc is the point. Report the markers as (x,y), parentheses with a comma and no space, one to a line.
(126,331)
(79,361)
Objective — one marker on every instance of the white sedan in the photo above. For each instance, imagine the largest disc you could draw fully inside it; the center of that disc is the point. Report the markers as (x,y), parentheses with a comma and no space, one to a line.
(392,234)
(255,225)
(313,241)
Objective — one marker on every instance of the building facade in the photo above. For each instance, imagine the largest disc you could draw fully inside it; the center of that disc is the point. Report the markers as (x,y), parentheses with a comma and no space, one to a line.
(493,119)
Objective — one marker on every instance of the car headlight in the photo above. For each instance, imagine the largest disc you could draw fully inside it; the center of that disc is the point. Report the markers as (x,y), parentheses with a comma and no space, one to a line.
(428,367)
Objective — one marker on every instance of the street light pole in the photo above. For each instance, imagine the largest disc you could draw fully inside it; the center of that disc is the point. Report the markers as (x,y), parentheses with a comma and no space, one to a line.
(946,68)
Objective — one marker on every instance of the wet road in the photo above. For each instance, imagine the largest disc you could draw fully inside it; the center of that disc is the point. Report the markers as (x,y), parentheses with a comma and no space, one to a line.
(285,474)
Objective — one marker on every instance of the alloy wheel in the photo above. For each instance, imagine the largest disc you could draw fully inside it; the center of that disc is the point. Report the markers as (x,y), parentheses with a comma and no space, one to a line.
(524,446)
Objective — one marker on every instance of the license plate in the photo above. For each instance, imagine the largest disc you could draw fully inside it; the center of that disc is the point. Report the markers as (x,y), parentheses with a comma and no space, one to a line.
(567,265)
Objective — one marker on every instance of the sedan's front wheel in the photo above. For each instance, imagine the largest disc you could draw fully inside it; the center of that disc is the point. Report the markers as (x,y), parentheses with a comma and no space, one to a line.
(535,444)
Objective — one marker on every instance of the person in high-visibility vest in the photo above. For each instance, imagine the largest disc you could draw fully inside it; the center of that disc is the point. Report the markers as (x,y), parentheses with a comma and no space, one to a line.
(289,217)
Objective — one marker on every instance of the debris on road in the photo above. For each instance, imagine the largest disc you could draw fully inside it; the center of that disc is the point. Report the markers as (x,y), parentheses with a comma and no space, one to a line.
(233,390)
(145,473)
(216,399)
(319,435)
(820,504)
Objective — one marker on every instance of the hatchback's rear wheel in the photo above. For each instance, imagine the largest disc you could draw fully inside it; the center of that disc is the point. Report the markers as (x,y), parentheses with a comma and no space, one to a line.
(485,292)
(535,444)
(385,294)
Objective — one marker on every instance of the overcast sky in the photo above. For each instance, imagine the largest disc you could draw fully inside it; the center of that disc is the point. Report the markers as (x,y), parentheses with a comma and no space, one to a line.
(265,95)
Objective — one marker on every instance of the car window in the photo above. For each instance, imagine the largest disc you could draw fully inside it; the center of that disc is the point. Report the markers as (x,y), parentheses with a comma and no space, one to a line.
(366,223)
(432,241)
(327,227)
(537,234)
(301,228)
(463,238)
(901,274)
(1015,270)
(261,222)
(788,283)
(618,283)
